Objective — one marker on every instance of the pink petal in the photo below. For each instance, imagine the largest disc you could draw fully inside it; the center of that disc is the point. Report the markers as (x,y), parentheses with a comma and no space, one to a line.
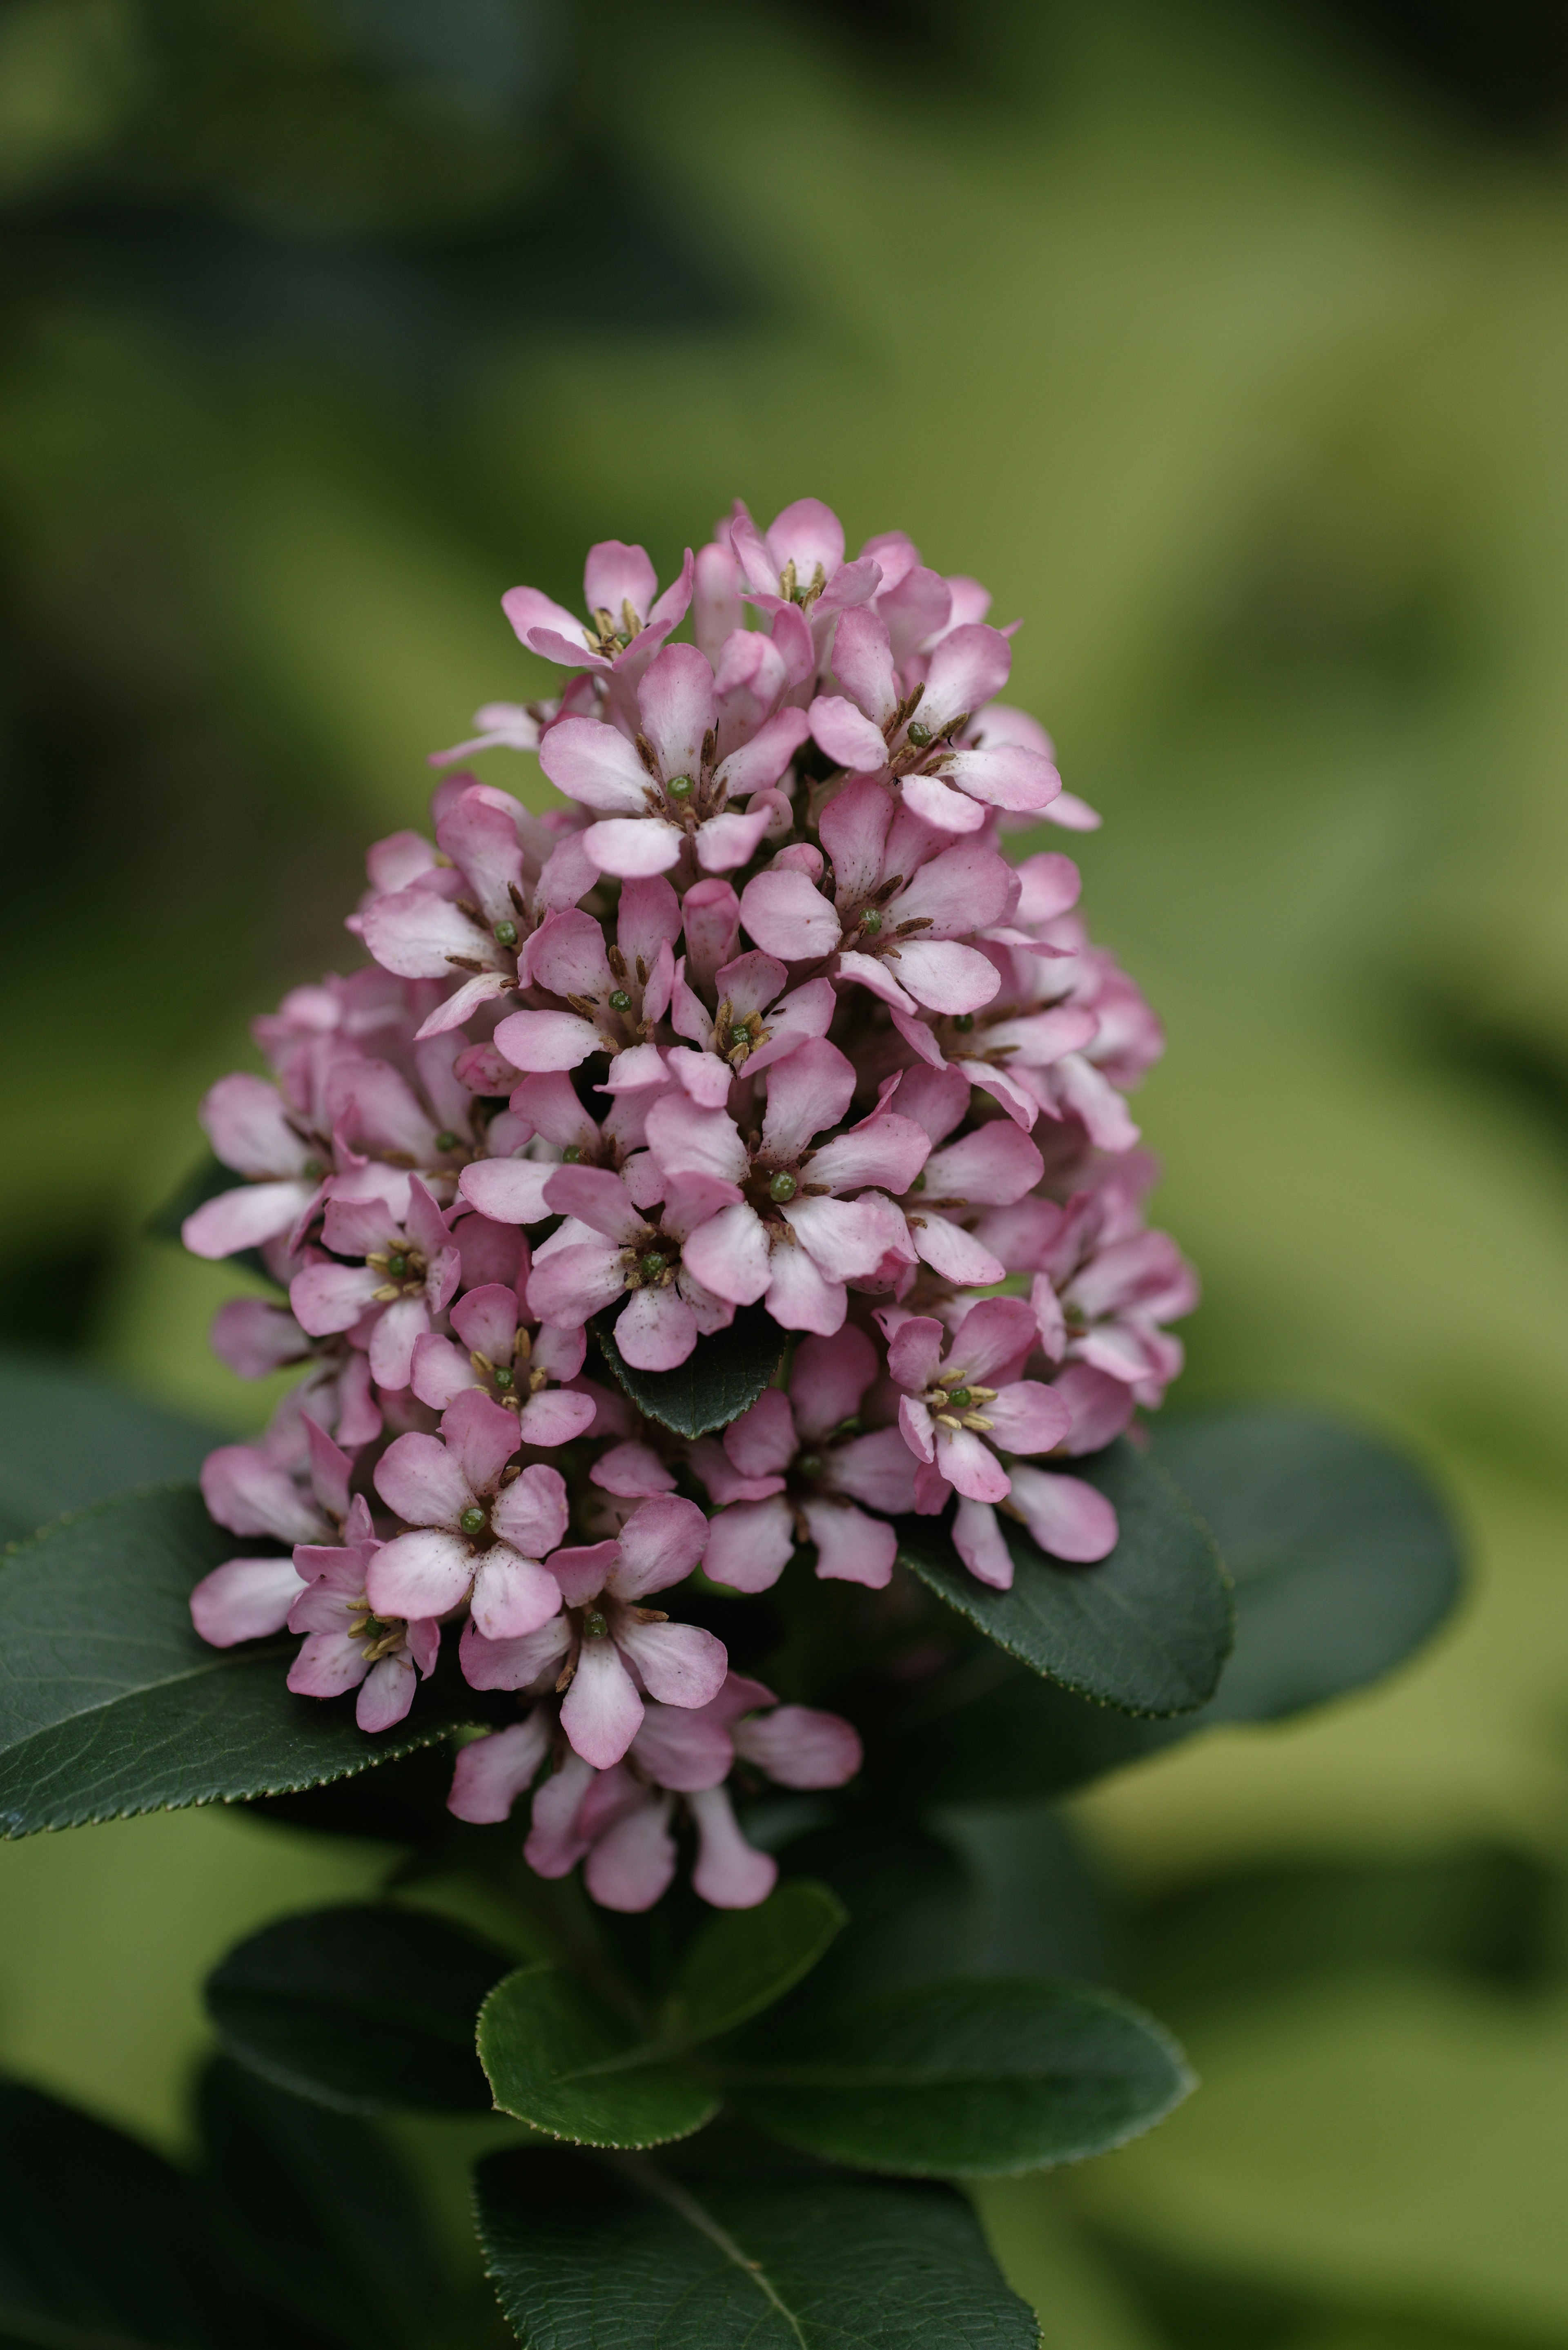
(863,664)
(330,1297)
(595,764)
(514,1664)
(245,1600)
(689,1140)
(555,1843)
(1101,1405)
(570,1284)
(730,1255)
(992,1337)
(419,1573)
(1028,1418)
(512,1596)
(396,1332)
(419,1478)
(615,573)
(680,1664)
(631,1866)
(660,1544)
(633,1470)
(970,1465)
(761,1441)
(249,1494)
(917,1429)
(554,1418)
(682,1750)
(850,1546)
(956,1255)
(531,1513)
(757,765)
(657,1330)
(799,1298)
(487,1320)
(946,977)
(848,738)
(878,1468)
(254,1338)
(327,1664)
(601,1711)
(806,1013)
(385,1694)
(936,802)
(416,932)
(245,1218)
(730,1874)
(968,668)
(801,1747)
(827,1379)
(884,1150)
(508,1191)
(749,1546)
(547,1040)
(491,1773)
(845,1239)
(808,1093)
(726,841)
(1004,777)
(675,704)
(1068,1518)
(596,1197)
(481,1438)
(788,916)
(633,847)
(246,1122)
(979,1541)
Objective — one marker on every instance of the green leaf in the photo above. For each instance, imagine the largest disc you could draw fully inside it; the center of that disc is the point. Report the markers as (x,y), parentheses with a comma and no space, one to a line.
(110,1705)
(318,2214)
(741,1960)
(368,2008)
(963,2079)
(68,1439)
(1147,1630)
(590,2254)
(721,1378)
(559,2060)
(1343,1558)
(103,2244)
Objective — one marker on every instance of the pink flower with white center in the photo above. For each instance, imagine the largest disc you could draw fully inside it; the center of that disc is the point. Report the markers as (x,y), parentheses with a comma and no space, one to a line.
(524,1371)
(608,1247)
(792,1469)
(628,619)
(464,920)
(617,995)
(952,1415)
(619,1820)
(250,1491)
(784,1234)
(479,1532)
(899,914)
(555,1131)
(347,1644)
(409,1274)
(605,1650)
(991,1168)
(662,799)
(879,724)
(756,1019)
(251,1131)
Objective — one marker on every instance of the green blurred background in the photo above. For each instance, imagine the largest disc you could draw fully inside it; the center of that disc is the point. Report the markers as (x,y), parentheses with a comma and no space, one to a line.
(1229,346)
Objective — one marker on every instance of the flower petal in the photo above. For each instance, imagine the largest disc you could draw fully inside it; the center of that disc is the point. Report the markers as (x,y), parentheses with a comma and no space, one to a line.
(601,1711)
(418,1574)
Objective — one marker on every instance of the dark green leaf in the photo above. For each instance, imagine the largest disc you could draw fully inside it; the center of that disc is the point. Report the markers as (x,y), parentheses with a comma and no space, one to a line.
(104,2244)
(1343,1556)
(69,1438)
(316,2214)
(559,2060)
(721,1378)
(208,1180)
(1147,1630)
(962,2079)
(110,1705)
(741,1960)
(1343,1561)
(368,2008)
(617,2255)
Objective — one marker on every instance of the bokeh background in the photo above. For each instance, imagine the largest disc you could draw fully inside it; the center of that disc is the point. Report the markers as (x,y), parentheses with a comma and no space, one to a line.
(1230,344)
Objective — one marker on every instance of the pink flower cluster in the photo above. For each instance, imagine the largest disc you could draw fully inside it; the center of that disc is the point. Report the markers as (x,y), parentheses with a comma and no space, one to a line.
(761,1016)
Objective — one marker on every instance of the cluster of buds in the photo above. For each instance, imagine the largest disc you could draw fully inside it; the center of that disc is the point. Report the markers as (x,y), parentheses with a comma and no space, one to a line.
(760,1015)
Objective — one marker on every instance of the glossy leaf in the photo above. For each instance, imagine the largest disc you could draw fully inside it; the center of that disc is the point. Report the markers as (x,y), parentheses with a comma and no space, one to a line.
(721,1378)
(1344,1560)
(559,2060)
(368,2008)
(1147,1630)
(103,2244)
(963,2079)
(316,2214)
(741,1960)
(590,2254)
(110,1705)
(69,1438)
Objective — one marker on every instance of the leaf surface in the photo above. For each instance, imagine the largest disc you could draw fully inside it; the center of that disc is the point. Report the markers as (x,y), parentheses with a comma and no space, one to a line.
(68,1439)
(741,1960)
(559,2059)
(590,2254)
(368,2008)
(963,2079)
(1147,1630)
(721,1378)
(110,1705)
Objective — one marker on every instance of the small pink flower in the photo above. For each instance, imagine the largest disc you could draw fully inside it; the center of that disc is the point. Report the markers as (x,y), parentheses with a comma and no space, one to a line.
(409,1274)
(547,1128)
(479,1532)
(617,995)
(753,1023)
(899,913)
(793,1468)
(993,1167)
(608,1248)
(524,1371)
(783,1233)
(664,797)
(628,619)
(605,1649)
(250,1128)
(349,1645)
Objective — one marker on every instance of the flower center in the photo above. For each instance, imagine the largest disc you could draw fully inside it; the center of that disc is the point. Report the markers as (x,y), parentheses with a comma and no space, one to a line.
(472,1520)
(784,1186)
(505,934)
